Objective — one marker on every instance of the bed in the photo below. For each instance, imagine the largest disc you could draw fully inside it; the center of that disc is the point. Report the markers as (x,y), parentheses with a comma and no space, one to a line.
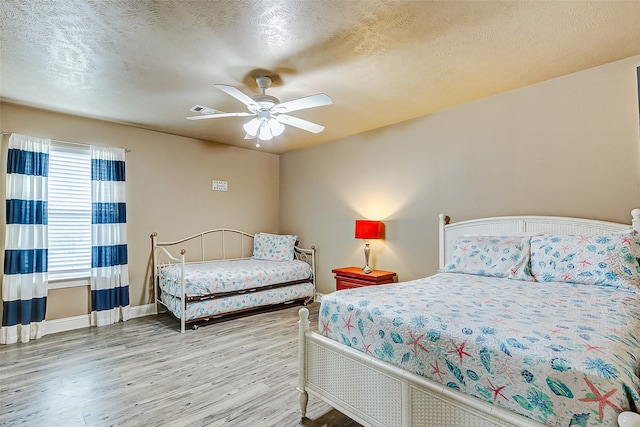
(224,273)
(530,321)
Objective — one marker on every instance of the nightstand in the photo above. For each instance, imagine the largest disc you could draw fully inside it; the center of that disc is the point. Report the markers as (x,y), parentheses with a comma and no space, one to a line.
(354,277)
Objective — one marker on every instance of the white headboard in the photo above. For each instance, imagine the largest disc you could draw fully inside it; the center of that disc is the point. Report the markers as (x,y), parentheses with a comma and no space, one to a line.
(500,226)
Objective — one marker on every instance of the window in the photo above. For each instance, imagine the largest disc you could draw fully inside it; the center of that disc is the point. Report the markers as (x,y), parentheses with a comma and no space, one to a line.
(69,209)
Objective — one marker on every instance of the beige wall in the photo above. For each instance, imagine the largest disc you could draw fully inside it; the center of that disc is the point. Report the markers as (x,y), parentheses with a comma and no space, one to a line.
(168,189)
(567,146)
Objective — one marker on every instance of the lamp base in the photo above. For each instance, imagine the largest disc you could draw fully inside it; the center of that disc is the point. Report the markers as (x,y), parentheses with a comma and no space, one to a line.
(367,268)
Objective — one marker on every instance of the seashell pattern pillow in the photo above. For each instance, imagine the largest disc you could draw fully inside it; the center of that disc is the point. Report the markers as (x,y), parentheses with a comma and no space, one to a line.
(606,260)
(274,247)
(495,256)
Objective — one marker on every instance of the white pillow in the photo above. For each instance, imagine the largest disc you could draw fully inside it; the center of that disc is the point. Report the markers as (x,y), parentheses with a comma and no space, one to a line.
(495,256)
(274,247)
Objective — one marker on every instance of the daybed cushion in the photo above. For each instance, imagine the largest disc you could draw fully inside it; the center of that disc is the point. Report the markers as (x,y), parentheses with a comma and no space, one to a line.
(208,278)
(274,247)
(606,260)
(493,256)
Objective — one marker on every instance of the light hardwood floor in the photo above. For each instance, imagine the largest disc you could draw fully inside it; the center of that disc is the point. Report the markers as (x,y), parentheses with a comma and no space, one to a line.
(143,372)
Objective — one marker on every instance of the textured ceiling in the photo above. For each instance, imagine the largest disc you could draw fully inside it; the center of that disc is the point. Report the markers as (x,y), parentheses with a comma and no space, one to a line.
(145,63)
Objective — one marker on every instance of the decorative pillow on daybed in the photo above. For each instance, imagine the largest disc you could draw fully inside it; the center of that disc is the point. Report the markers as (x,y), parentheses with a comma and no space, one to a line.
(274,247)
(608,259)
(496,256)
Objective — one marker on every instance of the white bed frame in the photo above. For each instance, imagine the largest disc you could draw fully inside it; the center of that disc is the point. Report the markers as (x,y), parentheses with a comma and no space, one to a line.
(229,244)
(375,393)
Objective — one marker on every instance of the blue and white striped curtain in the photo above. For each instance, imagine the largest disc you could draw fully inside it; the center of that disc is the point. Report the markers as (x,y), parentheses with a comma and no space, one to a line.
(109,267)
(24,285)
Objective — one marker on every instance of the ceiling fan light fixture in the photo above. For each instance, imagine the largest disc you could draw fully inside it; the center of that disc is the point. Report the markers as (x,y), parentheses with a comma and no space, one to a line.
(276,127)
(251,127)
(265,132)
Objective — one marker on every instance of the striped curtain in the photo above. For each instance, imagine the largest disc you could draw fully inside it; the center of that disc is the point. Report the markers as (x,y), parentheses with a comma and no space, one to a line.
(109,269)
(24,285)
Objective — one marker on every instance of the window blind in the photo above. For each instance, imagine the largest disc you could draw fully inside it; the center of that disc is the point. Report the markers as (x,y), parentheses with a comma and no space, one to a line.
(69,209)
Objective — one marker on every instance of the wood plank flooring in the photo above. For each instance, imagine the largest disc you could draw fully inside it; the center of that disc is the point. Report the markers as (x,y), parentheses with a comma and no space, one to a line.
(143,372)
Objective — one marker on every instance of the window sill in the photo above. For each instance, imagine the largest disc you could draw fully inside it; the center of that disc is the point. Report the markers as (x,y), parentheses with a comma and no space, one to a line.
(68,283)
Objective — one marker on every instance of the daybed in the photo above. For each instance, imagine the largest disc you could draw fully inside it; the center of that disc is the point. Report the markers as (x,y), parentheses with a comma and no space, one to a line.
(531,321)
(224,272)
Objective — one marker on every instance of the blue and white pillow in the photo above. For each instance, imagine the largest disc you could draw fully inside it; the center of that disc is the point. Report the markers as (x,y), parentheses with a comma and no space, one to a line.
(495,256)
(274,247)
(605,260)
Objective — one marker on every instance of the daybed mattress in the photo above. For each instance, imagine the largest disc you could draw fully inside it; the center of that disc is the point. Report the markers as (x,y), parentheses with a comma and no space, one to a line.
(208,278)
(246,301)
(560,353)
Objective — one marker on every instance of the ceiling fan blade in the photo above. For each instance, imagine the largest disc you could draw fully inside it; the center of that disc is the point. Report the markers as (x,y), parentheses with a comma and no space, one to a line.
(299,123)
(317,100)
(218,115)
(230,90)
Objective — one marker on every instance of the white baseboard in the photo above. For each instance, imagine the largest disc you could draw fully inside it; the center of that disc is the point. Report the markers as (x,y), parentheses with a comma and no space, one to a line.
(319,297)
(84,321)
(67,324)
(142,310)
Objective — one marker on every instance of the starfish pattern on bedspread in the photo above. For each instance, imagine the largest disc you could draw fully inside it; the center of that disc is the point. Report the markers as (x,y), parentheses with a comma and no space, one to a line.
(602,399)
(544,350)
(415,342)
(459,350)
(497,391)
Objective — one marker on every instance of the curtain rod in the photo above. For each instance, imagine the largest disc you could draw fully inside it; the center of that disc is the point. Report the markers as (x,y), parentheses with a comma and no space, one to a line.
(126,150)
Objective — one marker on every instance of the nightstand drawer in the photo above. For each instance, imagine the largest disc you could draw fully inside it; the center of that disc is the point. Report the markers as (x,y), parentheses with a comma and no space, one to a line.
(354,277)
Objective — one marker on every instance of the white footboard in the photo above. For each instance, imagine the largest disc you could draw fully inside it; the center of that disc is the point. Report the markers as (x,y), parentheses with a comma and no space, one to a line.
(156,249)
(375,393)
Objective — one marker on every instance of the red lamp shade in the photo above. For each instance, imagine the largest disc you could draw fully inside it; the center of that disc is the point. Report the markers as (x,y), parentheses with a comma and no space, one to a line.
(366,229)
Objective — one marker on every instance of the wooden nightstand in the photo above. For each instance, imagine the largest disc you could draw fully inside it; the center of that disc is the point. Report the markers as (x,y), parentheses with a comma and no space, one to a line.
(354,277)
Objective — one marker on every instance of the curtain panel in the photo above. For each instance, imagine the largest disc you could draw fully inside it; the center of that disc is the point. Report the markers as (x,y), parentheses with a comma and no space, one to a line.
(109,258)
(24,285)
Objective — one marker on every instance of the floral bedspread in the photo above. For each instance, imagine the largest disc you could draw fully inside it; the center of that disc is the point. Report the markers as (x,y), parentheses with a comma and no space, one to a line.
(226,276)
(562,354)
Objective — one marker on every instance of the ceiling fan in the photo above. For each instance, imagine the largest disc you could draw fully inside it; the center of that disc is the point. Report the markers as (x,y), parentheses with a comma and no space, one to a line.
(270,115)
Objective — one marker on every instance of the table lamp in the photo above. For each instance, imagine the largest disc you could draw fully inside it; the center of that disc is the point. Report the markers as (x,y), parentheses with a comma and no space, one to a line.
(366,229)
